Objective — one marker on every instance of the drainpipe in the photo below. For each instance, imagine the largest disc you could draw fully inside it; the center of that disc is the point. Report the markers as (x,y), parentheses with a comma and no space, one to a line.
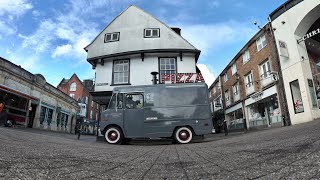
(283,98)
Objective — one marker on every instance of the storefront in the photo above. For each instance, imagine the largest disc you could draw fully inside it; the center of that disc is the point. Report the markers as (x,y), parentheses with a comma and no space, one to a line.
(262,109)
(296,28)
(17,105)
(234,117)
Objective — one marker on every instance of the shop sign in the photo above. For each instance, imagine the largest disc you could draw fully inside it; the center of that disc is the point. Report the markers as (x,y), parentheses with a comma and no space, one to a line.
(182,78)
(257,96)
(101,84)
(309,35)
(283,49)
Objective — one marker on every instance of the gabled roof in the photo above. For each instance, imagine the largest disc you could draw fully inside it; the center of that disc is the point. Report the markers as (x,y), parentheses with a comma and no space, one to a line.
(133,6)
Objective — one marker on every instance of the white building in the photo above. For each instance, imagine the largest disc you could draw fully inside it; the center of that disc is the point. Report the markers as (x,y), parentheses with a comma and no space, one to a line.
(296,27)
(132,46)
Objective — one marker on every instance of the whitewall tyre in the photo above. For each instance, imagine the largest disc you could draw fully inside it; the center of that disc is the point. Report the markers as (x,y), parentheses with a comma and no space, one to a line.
(183,135)
(113,135)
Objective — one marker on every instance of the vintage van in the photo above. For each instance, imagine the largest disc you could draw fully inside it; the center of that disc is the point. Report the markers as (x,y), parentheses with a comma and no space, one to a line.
(178,111)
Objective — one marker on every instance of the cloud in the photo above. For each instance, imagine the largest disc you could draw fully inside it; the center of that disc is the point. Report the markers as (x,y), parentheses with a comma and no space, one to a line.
(206,71)
(41,39)
(14,7)
(9,10)
(212,37)
(214,4)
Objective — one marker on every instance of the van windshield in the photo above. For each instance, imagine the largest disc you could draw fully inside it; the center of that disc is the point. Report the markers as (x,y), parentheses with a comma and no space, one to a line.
(116,101)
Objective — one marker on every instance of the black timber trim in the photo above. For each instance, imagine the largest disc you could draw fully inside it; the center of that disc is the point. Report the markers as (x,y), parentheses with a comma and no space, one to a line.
(195,51)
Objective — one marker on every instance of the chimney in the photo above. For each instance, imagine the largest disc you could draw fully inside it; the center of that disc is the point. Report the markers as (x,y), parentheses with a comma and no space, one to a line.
(154,78)
(177,30)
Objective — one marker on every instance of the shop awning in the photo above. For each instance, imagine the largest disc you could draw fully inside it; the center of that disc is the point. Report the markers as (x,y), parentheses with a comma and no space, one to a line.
(16,92)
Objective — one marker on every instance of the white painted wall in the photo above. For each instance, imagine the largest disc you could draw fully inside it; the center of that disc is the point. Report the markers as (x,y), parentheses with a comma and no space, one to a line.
(297,21)
(131,24)
(140,70)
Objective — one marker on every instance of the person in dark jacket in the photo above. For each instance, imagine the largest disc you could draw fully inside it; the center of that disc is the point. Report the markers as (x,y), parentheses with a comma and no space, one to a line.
(3,114)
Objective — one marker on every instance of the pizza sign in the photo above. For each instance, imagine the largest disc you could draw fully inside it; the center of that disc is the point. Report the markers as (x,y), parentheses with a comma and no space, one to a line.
(182,78)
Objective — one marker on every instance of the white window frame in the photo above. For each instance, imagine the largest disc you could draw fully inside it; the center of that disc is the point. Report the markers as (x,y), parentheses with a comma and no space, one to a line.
(249,80)
(246,56)
(166,65)
(227,95)
(261,42)
(86,99)
(154,33)
(91,103)
(91,114)
(225,77)
(121,71)
(219,84)
(234,68)
(214,89)
(265,72)
(73,86)
(235,89)
(111,37)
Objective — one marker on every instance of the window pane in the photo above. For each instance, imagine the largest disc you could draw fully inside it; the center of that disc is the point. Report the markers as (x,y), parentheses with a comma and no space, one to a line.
(172,61)
(296,97)
(162,67)
(115,36)
(108,38)
(155,32)
(167,61)
(148,32)
(172,66)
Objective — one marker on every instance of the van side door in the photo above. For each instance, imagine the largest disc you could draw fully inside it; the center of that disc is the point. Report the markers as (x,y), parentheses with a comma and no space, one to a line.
(133,115)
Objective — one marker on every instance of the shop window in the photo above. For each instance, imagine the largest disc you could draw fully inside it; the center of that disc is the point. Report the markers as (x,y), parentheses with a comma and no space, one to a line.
(246,56)
(312,94)
(167,66)
(121,72)
(46,115)
(296,97)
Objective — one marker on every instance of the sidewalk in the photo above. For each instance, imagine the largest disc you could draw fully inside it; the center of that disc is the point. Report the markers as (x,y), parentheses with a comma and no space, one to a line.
(87,138)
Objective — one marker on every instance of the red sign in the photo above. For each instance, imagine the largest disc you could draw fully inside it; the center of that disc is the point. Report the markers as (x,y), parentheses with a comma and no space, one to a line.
(182,78)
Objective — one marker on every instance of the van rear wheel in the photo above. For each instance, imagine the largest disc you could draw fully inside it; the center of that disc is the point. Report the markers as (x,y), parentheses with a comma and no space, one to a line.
(183,135)
(114,135)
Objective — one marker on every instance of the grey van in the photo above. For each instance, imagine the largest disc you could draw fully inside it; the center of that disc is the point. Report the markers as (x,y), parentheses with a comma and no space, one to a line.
(178,111)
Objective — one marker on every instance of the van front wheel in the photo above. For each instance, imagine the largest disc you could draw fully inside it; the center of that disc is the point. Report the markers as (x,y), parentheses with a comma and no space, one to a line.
(183,135)
(113,135)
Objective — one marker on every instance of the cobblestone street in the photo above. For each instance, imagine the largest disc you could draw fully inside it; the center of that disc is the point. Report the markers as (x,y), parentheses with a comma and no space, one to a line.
(289,152)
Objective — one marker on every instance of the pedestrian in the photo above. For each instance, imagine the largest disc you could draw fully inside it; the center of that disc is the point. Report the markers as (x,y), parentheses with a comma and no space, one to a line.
(3,114)
(78,126)
(225,127)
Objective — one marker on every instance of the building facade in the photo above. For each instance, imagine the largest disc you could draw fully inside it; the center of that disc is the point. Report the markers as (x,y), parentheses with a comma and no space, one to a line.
(248,91)
(32,102)
(80,92)
(135,44)
(296,28)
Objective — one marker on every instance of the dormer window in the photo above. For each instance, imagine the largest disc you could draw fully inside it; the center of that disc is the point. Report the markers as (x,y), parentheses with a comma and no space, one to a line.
(111,37)
(151,33)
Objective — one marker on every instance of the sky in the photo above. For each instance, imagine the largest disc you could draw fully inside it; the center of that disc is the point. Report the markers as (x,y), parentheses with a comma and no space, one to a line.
(48,36)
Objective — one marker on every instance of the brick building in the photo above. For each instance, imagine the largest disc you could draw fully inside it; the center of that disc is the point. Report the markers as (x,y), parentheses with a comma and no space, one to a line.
(248,90)
(80,91)
(32,102)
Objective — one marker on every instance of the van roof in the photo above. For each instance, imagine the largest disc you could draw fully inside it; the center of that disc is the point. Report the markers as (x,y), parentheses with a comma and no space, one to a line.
(141,87)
